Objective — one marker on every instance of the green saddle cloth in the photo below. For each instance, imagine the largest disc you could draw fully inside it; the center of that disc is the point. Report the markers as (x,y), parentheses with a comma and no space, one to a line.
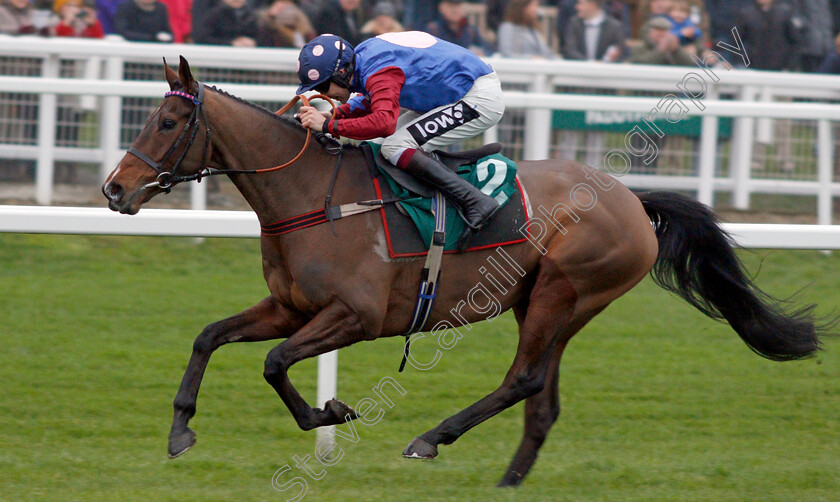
(495,175)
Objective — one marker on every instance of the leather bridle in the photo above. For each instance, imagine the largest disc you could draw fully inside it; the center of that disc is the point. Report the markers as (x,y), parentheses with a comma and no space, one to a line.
(166,179)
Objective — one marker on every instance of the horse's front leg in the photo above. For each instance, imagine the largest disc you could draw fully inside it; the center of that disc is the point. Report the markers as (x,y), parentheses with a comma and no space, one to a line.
(334,327)
(265,321)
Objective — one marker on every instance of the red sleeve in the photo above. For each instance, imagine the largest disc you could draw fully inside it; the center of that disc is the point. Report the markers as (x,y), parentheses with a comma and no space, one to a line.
(380,117)
(94,30)
(343,111)
(63,30)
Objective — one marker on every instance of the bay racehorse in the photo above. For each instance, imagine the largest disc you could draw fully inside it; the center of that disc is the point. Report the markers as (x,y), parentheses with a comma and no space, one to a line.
(593,241)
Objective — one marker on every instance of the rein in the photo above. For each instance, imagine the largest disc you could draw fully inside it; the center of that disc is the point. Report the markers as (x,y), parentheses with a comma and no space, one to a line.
(167,179)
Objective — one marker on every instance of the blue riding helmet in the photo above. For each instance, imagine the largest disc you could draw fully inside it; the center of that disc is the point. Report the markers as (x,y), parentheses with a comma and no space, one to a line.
(322,59)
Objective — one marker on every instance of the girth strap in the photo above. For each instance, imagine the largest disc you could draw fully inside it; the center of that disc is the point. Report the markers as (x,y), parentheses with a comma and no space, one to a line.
(429,276)
(321,216)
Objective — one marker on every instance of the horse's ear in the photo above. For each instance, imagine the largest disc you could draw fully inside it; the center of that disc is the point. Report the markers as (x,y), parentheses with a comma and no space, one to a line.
(172,77)
(186,77)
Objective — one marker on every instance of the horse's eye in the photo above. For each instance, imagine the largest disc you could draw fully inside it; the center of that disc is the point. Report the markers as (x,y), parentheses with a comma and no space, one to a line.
(167,124)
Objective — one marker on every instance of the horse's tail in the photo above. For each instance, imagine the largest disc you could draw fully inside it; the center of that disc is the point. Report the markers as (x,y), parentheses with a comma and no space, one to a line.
(697,262)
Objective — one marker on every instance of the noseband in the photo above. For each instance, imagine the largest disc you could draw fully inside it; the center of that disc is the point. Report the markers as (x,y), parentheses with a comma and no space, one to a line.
(167,179)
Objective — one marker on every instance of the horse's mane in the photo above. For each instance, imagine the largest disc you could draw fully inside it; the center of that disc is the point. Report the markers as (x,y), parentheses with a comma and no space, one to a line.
(265,111)
(294,124)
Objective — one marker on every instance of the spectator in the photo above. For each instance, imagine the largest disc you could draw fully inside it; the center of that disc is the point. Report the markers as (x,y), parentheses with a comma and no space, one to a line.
(200,9)
(834,5)
(369,5)
(310,8)
(831,63)
(619,11)
(383,20)
(495,14)
(283,24)
(341,18)
(519,35)
(43,16)
(660,46)
(232,22)
(16,17)
(723,16)
(816,39)
(683,26)
(453,26)
(106,11)
(565,12)
(76,20)
(658,8)
(417,14)
(769,34)
(143,21)
(592,35)
(180,19)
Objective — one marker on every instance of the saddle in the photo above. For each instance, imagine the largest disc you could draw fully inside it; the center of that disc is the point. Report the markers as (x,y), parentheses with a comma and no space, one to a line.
(416,220)
(410,222)
(452,160)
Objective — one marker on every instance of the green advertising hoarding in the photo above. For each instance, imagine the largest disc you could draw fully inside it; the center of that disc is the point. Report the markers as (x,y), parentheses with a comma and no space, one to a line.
(624,122)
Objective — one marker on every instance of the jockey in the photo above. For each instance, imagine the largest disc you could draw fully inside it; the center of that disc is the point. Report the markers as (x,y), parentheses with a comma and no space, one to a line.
(450,93)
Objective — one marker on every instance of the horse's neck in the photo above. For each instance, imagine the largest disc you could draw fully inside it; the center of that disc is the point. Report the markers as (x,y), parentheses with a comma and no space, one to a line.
(246,138)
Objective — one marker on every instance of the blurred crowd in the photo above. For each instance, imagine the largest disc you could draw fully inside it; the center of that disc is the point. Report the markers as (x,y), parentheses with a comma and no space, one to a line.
(792,35)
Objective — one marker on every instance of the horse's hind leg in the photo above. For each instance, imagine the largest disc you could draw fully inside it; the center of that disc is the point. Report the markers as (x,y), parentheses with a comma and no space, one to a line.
(541,411)
(550,308)
(334,327)
(265,321)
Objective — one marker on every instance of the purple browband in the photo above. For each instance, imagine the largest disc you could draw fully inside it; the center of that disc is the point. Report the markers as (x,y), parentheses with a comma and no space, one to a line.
(183,95)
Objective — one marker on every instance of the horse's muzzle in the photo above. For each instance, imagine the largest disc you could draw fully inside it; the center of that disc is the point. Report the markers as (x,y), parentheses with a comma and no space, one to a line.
(117,201)
(114,192)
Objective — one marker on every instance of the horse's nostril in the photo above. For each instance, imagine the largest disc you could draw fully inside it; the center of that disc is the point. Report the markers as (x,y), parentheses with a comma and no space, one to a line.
(113,191)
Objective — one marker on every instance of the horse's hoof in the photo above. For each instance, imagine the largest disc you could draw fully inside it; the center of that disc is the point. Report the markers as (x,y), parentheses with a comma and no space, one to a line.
(512,479)
(339,411)
(181,442)
(419,448)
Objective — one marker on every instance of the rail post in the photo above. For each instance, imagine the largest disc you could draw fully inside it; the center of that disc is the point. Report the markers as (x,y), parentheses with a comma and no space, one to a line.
(708,153)
(111,119)
(740,160)
(538,124)
(47,111)
(327,377)
(824,167)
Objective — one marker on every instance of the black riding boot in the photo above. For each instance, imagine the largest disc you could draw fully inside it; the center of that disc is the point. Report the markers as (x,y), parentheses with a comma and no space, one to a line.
(476,207)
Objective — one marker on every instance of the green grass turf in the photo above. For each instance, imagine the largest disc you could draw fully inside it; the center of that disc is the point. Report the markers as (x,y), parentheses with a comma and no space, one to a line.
(659,403)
